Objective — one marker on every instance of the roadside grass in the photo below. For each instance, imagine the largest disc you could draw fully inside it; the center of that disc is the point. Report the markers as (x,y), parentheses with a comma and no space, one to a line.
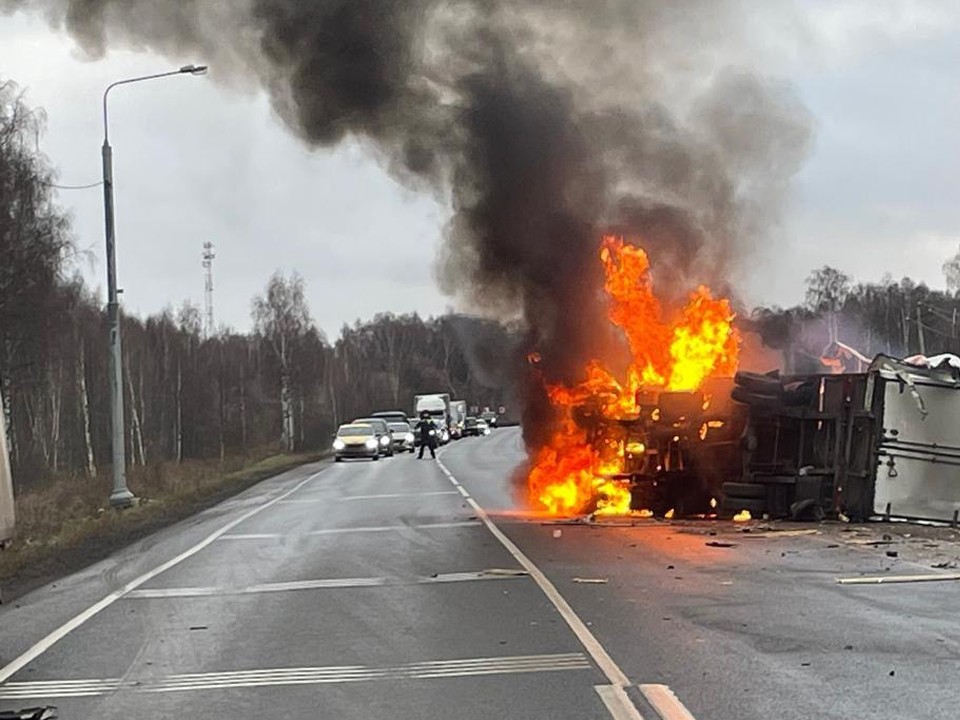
(67,523)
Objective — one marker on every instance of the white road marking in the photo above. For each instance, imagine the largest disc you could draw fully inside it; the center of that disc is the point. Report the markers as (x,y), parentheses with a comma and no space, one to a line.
(58,634)
(324,584)
(600,656)
(667,705)
(299,676)
(893,579)
(397,495)
(368,529)
(617,702)
(616,698)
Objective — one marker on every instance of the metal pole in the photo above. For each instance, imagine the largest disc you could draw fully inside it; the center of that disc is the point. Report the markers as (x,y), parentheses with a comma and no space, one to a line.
(923,345)
(121,495)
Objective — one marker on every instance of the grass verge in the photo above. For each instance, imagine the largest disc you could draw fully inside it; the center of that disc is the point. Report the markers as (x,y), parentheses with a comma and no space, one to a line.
(66,525)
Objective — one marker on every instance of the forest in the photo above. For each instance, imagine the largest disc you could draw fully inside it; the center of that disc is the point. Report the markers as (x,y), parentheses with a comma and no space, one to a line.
(284,385)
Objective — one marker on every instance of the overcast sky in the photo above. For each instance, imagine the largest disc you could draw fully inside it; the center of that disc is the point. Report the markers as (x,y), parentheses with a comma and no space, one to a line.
(195,162)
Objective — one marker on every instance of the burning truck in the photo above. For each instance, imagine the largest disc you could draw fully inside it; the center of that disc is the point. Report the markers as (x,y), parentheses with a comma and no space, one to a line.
(660,436)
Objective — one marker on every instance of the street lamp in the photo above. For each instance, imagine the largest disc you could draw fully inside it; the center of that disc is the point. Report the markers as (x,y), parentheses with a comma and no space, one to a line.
(121,495)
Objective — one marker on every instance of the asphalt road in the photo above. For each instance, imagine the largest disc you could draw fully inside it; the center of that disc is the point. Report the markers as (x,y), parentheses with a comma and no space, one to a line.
(369,590)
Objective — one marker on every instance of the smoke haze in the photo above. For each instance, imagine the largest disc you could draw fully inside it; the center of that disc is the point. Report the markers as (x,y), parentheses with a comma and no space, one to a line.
(542,123)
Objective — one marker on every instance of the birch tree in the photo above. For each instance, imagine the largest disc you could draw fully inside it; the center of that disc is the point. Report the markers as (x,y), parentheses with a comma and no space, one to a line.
(281,319)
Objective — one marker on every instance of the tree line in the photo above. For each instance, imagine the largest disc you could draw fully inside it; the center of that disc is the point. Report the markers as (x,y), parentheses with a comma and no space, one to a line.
(898,318)
(186,395)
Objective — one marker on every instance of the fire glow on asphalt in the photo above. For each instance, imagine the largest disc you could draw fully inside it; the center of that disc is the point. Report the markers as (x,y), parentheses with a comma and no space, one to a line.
(569,474)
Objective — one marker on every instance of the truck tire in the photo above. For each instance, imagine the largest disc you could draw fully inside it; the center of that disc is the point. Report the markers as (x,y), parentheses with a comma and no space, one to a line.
(734,505)
(755,382)
(744,491)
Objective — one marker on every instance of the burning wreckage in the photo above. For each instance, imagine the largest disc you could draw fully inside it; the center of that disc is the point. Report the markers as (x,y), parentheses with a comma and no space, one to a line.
(682,432)
(659,436)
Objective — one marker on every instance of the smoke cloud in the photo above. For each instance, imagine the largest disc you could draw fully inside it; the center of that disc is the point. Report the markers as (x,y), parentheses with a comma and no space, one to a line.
(543,123)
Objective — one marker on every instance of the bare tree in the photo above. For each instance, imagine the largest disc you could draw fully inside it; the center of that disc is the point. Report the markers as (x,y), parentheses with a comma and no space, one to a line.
(281,317)
(951,271)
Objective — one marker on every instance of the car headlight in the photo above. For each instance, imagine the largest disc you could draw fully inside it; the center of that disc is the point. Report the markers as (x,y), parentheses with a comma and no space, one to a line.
(339,444)
(371,443)
(486,431)
(385,440)
(408,437)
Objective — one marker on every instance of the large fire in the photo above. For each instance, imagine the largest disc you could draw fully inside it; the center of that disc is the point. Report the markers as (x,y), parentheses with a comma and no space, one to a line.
(571,473)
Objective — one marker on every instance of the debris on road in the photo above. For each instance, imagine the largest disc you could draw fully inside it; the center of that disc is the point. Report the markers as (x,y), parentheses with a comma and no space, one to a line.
(505,572)
(720,544)
(591,581)
(45,712)
(892,553)
(885,579)
(750,533)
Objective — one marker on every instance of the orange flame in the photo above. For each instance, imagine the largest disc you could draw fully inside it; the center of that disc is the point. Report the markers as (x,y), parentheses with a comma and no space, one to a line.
(571,473)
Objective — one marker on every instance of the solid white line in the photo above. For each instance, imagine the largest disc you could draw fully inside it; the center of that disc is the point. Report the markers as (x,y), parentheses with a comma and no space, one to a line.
(600,656)
(397,495)
(252,536)
(322,584)
(667,705)
(617,702)
(56,635)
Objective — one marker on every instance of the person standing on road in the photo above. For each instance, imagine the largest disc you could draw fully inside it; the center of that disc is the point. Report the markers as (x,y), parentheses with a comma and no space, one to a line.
(428,435)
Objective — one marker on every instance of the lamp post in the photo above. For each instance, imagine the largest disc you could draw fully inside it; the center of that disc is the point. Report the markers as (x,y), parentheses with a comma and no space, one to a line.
(121,495)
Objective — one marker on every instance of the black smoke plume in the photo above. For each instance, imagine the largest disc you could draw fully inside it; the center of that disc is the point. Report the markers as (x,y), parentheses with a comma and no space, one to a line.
(543,123)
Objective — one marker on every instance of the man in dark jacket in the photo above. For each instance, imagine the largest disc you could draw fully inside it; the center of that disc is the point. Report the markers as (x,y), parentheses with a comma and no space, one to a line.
(428,435)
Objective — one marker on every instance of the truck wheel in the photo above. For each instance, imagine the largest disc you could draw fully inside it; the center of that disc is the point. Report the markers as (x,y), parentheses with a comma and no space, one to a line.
(744,491)
(376,457)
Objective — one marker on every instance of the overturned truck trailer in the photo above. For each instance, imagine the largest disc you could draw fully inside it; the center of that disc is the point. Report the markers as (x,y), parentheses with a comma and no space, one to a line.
(883,443)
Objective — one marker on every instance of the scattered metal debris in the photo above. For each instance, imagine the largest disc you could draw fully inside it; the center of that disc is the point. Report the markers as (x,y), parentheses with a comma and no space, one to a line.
(45,712)
(720,544)
(591,581)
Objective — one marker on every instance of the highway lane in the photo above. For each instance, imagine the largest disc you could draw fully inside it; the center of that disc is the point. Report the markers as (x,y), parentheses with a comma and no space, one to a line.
(356,590)
(758,630)
(360,590)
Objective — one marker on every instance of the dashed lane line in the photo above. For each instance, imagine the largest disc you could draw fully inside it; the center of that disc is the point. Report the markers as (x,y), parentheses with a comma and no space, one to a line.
(610,669)
(614,695)
(73,623)
(348,530)
(392,496)
(617,702)
(321,584)
(665,702)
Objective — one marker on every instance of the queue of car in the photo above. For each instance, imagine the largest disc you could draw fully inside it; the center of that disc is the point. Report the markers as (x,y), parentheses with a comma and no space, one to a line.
(387,432)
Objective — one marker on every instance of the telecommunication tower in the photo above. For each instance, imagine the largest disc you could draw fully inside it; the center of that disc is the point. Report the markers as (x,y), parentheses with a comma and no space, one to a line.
(208,256)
